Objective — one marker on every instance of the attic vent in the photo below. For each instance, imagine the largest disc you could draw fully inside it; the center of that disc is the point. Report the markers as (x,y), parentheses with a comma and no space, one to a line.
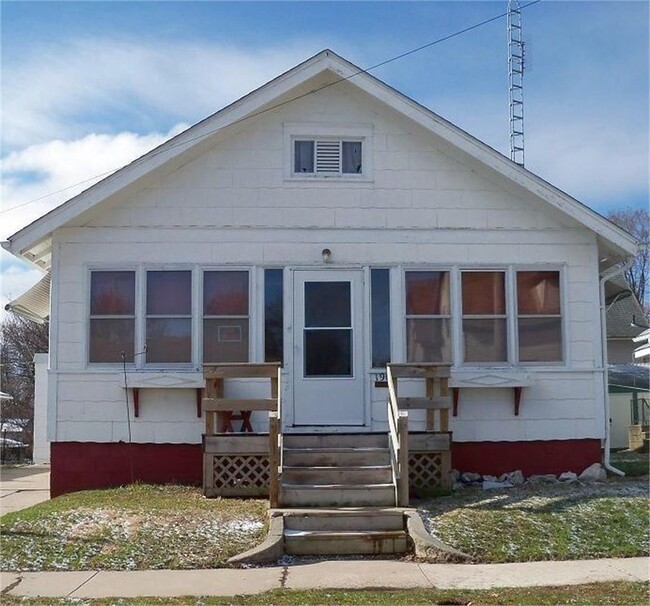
(327,157)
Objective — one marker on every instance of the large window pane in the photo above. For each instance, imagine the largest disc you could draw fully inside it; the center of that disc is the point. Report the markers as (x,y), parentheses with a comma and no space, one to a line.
(351,156)
(380,315)
(538,292)
(225,340)
(273,311)
(169,340)
(327,304)
(109,338)
(303,157)
(485,340)
(225,293)
(428,340)
(112,293)
(540,340)
(427,293)
(328,353)
(484,292)
(169,293)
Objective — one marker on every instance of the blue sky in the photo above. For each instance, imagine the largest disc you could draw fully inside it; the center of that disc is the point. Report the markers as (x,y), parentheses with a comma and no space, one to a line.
(88,86)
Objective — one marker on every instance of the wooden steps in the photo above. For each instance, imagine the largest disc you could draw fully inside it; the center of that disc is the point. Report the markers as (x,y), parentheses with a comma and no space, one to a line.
(345,531)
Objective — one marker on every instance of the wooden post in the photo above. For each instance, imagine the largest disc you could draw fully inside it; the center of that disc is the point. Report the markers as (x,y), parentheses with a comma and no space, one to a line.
(431,413)
(444,412)
(274,460)
(403,432)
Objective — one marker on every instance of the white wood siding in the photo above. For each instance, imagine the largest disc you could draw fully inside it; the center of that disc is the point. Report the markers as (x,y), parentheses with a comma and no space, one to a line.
(232,204)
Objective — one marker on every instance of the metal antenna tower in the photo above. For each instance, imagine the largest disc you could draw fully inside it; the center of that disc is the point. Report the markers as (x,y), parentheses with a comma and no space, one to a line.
(516,81)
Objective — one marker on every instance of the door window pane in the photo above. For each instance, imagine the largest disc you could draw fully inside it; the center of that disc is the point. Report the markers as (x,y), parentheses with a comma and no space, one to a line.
(109,338)
(328,353)
(427,293)
(538,292)
(169,340)
(327,304)
(225,293)
(485,340)
(169,293)
(273,311)
(112,293)
(540,339)
(428,340)
(380,312)
(484,292)
(225,340)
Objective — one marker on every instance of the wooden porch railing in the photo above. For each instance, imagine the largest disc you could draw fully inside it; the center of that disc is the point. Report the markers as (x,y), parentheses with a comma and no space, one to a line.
(219,410)
(436,399)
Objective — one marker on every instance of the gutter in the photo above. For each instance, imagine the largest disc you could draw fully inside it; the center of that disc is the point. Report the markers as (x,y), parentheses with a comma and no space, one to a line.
(604,277)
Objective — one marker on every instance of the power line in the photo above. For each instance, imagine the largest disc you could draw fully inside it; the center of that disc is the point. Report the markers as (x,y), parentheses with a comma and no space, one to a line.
(160,150)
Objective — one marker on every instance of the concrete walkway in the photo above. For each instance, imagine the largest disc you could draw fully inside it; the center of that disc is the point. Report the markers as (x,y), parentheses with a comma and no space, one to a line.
(23,486)
(338,574)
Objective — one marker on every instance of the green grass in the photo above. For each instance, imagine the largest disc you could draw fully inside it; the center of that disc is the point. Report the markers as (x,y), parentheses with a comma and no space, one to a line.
(536,522)
(627,593)
(137,527)
(633,463)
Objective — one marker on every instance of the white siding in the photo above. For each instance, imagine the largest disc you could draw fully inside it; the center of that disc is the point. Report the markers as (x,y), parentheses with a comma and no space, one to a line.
(426,204)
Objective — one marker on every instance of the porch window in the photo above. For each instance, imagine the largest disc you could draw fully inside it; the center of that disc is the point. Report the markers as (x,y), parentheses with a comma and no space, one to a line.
(112,316)
(169,317)
(484,316)
(273,311)
(380,314)
(428,316)
(539,316)
(225,316)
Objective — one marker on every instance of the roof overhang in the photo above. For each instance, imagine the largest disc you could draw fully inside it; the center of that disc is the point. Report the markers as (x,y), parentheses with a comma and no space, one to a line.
(35,303)
(613,241)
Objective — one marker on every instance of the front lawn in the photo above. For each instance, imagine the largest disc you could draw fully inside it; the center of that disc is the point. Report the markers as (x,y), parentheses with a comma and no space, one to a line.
(137,527)
(544,521)
(632,462)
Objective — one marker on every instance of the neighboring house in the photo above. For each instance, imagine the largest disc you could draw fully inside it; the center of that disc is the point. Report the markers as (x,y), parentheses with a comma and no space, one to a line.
(334,231)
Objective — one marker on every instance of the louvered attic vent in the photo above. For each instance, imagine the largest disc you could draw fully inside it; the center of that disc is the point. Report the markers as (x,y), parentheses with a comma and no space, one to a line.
(327,157)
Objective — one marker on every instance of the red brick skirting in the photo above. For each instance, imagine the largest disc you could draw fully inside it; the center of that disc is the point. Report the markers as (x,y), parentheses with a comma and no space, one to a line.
(87,465)
(535,457)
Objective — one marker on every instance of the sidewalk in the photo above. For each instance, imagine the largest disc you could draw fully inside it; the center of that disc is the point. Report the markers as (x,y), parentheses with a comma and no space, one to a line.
(337,574)
(23,486)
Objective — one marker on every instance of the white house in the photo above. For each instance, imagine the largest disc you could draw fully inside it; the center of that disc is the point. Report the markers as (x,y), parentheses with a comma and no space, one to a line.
(327,221)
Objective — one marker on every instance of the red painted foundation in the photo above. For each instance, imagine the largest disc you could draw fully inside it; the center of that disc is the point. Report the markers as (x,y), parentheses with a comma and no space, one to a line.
(86,465)
(535,457)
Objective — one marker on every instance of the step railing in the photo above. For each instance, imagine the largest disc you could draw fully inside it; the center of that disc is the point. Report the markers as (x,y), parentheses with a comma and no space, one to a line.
(219,413)
(436,399)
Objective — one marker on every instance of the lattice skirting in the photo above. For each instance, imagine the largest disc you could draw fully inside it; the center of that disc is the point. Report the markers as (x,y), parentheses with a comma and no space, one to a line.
(429,472)
(237,475)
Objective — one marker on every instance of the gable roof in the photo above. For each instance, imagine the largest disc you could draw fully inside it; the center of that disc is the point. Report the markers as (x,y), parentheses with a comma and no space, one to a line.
(31,242)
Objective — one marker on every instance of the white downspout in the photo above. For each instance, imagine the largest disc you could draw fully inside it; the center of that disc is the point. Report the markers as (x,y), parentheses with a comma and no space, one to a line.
(608,275)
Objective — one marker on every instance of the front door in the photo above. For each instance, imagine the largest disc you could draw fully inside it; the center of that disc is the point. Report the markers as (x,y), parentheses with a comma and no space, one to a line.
(328,348)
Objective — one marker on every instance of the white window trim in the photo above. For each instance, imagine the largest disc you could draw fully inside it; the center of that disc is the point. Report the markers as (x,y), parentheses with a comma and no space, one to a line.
(341,132)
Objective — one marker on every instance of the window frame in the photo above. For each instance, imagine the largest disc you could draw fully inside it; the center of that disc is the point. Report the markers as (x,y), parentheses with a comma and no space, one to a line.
(462,316)
(252,324)
(564,345)
(323,132)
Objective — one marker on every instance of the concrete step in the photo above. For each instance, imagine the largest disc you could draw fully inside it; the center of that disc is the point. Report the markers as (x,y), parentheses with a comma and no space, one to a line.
(315,542)
(336,495)
(335,457)
(336,440)
(370,474)
(360,519)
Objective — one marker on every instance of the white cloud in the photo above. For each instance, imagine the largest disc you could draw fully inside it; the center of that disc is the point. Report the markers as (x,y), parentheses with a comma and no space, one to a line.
(41,169)
(85,85)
